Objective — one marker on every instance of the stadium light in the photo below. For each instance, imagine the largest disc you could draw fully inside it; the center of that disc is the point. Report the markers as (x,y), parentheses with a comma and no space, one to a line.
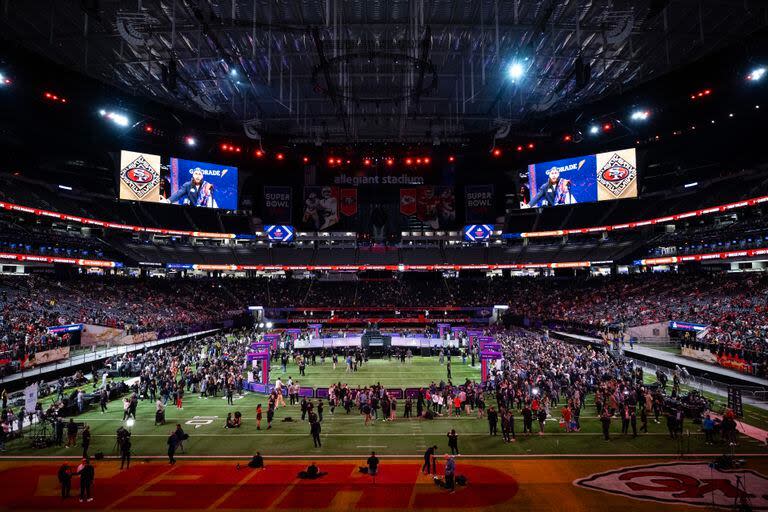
(130,422)
(4,80)
(118,119)
(269,325)
(640,115)
(190,141)
(280,156)
(496,152)
(65,187)
(516,71)
(594,129)
(757,74)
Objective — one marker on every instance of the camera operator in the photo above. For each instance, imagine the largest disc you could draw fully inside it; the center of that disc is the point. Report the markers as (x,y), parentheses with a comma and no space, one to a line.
(124,442)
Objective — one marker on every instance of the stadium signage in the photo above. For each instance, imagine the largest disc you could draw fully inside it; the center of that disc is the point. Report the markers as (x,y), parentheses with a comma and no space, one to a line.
(403,179)
(686,326)
(691,483)
(52,259)
(529,234)
(640,223)
(59,329)
(394,268)
(750,253)
(477,232)
(280,233)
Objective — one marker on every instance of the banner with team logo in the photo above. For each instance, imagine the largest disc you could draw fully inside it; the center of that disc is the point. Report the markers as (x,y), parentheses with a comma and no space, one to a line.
(408,201)
(348,202)
(278,202)
(321,207)
(435,207)
(139,176)
(583,179)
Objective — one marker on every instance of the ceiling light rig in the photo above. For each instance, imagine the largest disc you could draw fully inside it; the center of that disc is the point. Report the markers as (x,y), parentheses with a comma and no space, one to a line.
(117,118)
(757,74)
(374,62)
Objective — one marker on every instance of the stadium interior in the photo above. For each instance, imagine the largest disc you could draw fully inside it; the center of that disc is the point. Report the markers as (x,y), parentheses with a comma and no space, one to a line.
(384,254)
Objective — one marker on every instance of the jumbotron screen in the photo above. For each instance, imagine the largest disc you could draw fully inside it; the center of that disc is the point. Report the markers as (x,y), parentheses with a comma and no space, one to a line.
(584,179)
(184,182)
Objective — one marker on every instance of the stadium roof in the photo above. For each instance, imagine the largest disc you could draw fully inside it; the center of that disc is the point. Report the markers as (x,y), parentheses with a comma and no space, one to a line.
(413,70)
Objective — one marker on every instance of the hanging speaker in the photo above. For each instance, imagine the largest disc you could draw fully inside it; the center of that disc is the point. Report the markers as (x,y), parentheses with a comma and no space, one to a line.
(172,75)
(583,72)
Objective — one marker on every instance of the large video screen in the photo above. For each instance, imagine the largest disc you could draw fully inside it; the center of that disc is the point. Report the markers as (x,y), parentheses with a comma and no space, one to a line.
(584,179)
(185,182)
(203,184)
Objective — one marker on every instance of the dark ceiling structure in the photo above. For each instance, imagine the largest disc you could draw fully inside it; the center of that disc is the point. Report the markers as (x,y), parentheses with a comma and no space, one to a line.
(330,71)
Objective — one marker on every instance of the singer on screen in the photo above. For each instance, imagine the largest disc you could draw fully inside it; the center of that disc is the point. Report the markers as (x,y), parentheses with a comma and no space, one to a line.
(554,192)
(195,192)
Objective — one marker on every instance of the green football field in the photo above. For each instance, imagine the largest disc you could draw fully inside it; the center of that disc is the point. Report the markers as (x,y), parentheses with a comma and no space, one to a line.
(345,434)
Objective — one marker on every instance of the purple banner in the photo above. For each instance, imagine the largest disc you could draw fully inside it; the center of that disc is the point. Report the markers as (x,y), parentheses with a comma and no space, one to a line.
(412,393)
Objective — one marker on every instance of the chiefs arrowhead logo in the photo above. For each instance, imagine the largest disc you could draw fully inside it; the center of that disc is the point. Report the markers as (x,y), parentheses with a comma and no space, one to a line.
(691,483)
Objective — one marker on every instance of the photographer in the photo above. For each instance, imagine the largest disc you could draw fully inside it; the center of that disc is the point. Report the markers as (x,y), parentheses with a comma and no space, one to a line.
(125,452)
(124,445)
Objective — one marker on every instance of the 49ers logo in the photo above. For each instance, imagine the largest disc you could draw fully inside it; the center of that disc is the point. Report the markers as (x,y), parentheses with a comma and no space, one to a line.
(616,175)
(140,176)
(691,483)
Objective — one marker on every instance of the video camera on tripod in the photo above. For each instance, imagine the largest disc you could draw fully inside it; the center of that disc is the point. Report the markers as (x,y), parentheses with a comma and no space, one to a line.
(121,436)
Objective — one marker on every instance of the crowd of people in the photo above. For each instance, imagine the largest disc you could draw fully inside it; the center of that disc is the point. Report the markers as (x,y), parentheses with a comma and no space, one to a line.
(735,306)
(30,304)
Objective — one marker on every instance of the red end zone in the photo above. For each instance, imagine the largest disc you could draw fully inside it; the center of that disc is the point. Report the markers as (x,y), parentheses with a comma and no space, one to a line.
(499,484)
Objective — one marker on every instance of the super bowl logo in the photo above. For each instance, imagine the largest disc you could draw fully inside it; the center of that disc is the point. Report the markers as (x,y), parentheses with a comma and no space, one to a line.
(140,176)
(616,175)
(691,483)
